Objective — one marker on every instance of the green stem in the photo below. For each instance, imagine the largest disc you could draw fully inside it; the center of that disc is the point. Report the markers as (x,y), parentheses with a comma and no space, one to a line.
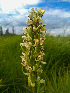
(33,88)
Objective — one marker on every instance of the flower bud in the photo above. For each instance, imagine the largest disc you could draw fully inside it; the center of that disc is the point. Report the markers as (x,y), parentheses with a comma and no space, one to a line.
(43,11)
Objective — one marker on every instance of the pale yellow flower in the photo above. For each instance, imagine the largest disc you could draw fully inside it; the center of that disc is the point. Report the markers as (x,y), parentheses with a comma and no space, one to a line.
(40,69)
(32,84)
(31,12)
(41,42)
(42,81)
(21,44)
(29,22)
(38,17)
(29,38)
(34,29)
(23,64)
(27,67)
(38,78)
(41,20)
(43,29)
(26,45)
(43,11)
(43,54)
(23,59)
(24,37)
(24,54)
(43,62)
(40,57)
(35,8)
(25,30)
(44,25)
(30,44)
(36,41)
(30,16)
(32,9)
(25,40)
(41,39)
(39,10)
(36,60)
(30,69)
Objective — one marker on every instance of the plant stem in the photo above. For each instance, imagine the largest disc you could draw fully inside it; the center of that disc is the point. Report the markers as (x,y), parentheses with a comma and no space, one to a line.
(33,88)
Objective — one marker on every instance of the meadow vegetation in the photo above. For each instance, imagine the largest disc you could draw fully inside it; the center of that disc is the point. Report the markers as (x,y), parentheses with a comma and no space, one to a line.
(56,72)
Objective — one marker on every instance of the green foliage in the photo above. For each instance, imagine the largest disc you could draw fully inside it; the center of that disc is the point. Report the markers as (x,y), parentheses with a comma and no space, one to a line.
(57,52)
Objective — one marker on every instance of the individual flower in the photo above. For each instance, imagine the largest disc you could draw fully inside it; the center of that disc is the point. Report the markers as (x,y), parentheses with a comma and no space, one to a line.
(43,11)
(27,67)
(25,30)
(39,10)
(42,81)
(30,69)
(29,38)
(21,44)
(34,29)
(29,22)
(40,57)
(38,78)
(24,54)
(23,64)
(32,84)
(44,25)
(30,16)
(36,41)
(43,62)
(39,69)
(30,44)
(24,37)
(41,20)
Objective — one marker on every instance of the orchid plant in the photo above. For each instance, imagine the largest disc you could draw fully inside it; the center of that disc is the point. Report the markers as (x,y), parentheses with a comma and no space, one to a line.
(33,53)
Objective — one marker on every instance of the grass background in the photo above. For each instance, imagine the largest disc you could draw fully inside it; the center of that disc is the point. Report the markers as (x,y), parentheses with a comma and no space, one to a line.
(56,73)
